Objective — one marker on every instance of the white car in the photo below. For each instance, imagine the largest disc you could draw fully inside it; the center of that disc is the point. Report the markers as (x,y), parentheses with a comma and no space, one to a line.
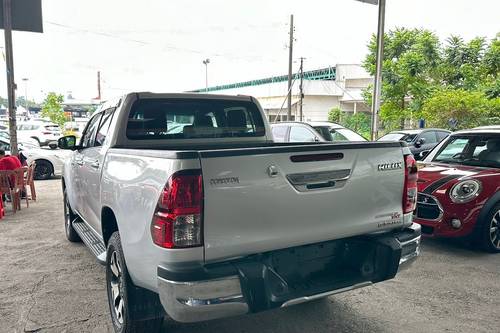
(45,133)
(295,131)
(49,162)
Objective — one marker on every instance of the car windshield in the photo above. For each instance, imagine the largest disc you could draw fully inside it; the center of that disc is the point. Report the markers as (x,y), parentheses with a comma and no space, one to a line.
(473,150)
(398,137)
(338,134)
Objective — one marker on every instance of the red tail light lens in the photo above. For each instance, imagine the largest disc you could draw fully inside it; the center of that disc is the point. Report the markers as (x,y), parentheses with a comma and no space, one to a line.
(177,221)
(410,185)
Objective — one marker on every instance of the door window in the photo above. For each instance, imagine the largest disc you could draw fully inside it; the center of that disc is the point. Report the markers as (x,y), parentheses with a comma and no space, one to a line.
(442,135)
(430,137)
(103,128)
(279,133)
(301,134)
(89,134)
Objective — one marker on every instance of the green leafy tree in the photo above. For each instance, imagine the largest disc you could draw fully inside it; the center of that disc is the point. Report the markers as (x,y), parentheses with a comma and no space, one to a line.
(411,57)
(359,123)
(335,115)
(468,108)
(52,109)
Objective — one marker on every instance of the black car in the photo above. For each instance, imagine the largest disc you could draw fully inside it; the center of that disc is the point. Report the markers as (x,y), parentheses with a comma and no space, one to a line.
(420,141)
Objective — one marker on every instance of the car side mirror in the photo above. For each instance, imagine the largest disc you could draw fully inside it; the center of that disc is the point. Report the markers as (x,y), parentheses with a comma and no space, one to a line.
(419,142)
(67,142)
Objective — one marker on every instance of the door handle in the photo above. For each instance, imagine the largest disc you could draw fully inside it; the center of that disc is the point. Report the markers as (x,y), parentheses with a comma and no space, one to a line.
(95,164)
(79,162)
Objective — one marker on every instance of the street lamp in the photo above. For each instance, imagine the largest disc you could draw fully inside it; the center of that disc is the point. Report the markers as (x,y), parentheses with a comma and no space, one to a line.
(206,62)
(25,80)
(378,70)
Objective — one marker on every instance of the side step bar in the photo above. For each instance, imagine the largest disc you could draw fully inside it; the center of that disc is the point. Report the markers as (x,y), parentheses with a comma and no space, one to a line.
(93,241)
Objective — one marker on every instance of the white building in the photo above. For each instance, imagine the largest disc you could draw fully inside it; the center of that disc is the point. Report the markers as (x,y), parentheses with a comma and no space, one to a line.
(332,87)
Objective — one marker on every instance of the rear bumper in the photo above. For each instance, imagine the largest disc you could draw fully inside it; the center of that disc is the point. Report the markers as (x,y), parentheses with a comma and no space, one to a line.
(285,277)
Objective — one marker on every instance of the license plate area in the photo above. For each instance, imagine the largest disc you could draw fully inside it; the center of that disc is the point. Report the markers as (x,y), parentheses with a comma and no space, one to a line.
(279,276)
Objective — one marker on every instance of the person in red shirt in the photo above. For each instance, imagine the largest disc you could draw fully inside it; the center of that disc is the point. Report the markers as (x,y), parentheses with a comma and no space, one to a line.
(9,162)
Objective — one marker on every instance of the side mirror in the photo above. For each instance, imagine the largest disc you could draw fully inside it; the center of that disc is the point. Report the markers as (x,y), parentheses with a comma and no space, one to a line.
(419,142)
(67,142)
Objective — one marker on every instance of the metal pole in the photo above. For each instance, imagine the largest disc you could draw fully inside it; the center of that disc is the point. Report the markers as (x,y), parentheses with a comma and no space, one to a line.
(206,62)
(25,93)
(11,86)
(301,86)
(378,72)
(290,55)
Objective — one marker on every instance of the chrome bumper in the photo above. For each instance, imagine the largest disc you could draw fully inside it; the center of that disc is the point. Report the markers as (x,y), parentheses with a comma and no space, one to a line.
(189,302)
(410,249)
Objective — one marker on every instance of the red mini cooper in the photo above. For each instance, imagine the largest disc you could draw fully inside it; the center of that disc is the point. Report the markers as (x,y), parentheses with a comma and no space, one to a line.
(459,188)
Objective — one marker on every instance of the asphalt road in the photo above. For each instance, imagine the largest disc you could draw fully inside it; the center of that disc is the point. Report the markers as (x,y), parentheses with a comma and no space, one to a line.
(50,285)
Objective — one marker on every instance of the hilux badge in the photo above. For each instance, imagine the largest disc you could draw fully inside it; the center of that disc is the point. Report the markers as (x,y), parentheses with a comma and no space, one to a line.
(390,166)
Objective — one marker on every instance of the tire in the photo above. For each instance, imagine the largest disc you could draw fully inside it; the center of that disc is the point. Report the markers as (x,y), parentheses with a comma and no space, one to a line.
(489,236)
(125,300)
(43,170)
(69,217)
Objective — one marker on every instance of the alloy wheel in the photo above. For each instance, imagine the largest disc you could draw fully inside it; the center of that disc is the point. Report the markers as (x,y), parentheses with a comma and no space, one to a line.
(116,287)
(495,230)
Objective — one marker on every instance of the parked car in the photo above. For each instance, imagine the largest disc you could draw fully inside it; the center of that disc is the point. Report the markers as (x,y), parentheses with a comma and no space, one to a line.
(45,133)
(312,131)
(218,220)
(459,188)
(49,162)
(420,141)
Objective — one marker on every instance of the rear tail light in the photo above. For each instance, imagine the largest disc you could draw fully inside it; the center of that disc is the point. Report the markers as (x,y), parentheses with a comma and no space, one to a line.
(410,185)
(46,133)
(177,221)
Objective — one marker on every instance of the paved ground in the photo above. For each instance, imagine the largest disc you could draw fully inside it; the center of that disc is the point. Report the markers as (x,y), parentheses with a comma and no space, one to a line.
(50,285)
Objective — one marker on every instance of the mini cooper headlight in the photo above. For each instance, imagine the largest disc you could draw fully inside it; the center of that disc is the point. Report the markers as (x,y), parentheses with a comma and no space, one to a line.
(465,191)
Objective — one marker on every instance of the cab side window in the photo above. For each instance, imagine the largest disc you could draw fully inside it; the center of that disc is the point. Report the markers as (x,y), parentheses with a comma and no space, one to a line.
(102,130)
(88,136)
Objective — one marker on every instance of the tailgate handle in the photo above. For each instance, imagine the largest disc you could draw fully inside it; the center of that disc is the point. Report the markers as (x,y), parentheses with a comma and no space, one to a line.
(318,180)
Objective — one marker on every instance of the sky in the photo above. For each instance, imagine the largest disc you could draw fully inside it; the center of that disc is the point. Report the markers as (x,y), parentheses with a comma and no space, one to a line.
(155,45)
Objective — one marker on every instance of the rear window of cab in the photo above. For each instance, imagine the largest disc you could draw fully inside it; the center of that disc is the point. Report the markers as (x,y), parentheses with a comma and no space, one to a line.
(160,119)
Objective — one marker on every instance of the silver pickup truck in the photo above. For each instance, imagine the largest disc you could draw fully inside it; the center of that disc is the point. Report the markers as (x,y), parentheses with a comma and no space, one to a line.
(197,214)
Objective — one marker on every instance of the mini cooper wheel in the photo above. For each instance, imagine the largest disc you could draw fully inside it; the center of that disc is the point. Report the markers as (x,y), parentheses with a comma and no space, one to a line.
(490,235)
(69,217)
(123,297)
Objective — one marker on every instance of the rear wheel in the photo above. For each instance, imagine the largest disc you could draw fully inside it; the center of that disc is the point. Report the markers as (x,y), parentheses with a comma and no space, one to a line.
(69,217)
(43,170)
(124,298)
(490,231)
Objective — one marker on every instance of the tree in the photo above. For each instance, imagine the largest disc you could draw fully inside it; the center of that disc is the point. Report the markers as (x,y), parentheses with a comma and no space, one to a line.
(52,109)
(335,115)
(468,108)
(359,122)
(411,57)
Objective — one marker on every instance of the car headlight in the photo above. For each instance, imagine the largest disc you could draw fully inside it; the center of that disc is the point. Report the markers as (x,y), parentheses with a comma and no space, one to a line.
(465,191)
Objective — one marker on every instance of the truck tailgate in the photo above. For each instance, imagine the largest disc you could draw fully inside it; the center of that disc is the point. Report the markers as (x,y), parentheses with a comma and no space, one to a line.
(262,199)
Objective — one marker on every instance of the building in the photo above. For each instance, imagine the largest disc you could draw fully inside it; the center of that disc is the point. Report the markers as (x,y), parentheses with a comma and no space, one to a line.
(324,89)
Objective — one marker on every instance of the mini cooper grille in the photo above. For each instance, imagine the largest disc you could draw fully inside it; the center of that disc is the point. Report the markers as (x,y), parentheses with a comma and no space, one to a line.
(428,207)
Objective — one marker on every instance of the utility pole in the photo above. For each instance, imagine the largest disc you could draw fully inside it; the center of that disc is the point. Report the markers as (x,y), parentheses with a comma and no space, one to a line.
(206,62)
(290,55)
(301,85)
(25,80)
(11,86)
(99,85)
(378,71)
